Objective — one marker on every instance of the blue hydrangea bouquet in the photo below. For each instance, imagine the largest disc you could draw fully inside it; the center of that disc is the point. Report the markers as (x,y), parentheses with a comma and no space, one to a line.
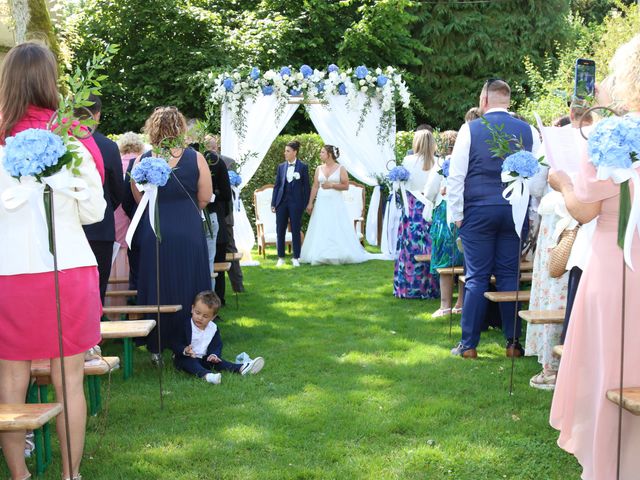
(614,149)
(234,179)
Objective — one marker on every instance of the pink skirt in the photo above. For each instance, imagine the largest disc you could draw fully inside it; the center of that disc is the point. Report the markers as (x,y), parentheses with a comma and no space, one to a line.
(28,321)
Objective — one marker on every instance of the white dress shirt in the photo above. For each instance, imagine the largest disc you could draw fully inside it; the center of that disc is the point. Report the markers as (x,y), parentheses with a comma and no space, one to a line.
(460,165)
(200,339)
(291,167)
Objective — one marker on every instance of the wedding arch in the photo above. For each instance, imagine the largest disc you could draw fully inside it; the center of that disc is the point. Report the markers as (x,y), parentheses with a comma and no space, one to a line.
(354,109)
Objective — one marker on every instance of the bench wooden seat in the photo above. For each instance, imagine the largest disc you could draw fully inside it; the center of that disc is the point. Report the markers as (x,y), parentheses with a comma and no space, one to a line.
(121,293)
(557,351)
(422,257)
(28,416)
(630,399)
(41,370)
(499,297)
(539,317)
(524,267)
(115,280)
(232,257)
(222,267)
(524,277)
(126,329)
(136,312)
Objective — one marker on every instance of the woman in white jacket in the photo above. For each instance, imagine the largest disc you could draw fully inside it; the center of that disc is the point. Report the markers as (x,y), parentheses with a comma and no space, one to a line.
(28,321)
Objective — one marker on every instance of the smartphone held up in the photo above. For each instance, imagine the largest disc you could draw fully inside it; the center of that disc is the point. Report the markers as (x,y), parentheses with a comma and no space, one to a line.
(585,78)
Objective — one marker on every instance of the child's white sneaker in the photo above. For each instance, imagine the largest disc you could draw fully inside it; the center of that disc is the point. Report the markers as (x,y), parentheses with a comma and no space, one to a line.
(253,367)
(280,262)
(295,262)
(215,378)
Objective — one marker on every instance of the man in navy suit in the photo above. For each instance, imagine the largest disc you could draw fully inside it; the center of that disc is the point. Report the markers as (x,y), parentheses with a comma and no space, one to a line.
(101,235)
(475,203)
(290,197)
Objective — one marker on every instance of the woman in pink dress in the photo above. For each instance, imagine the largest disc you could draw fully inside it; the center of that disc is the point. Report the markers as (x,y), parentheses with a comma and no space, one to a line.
(28,321)
(590,365)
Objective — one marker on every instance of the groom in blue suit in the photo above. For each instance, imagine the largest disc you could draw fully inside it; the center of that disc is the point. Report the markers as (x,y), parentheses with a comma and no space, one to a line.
(475,203)
(290,198)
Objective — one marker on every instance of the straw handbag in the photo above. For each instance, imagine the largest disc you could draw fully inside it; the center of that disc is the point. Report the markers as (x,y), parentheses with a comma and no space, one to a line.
(560,253)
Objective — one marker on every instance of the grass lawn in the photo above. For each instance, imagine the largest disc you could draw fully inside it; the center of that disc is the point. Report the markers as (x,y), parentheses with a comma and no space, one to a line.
(357,385)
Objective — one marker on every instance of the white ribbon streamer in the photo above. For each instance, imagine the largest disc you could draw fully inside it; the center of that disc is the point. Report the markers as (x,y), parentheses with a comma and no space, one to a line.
(553,204)
(427,212)
(371,226)
(236,198)
(31,192)
(402,186)
(620,175)
(150,197)
(517,194)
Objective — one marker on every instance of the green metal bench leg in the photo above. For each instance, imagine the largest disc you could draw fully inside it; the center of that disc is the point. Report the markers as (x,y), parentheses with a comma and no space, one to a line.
(128,358)
(32,393)
(39,451)
(92,395)
(43,391)
(98,394)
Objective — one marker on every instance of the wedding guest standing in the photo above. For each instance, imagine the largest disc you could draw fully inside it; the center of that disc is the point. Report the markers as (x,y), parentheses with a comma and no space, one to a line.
(444,251)
(28,320)
(483,216)
(102,235)
(591,359)
(183,266)
(290,197)
(412,279)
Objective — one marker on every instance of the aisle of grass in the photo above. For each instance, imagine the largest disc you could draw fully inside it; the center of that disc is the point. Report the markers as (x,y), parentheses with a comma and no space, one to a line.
(357,385)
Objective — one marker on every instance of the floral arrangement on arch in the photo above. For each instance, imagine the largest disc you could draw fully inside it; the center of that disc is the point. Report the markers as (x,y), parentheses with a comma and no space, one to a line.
(384,85)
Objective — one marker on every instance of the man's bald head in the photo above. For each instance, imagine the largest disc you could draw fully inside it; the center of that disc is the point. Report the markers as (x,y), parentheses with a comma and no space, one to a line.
(495,94)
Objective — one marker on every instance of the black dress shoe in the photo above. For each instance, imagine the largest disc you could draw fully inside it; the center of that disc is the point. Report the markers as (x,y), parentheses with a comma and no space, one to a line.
(514,349)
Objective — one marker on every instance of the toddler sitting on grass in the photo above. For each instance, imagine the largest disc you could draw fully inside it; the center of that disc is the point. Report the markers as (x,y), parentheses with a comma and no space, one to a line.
(198,346)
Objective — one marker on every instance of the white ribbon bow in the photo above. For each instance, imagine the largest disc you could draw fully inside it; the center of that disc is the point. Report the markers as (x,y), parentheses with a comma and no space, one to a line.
(401,185)
(236,198)
(517,194)
(31,191)
(619,175)
(150,197)
(553,203)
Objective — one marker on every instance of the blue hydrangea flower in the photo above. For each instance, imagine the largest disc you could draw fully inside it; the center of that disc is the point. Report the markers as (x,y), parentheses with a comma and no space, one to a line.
(332,68)
(521,163)
(295,93)
(153,170)
(613,140)
(382,80)
(267,90)
(255,73)
(234,178)
(400,174)
(342,89)
(445,167)
(362,72)
(285,71)
(306,71)
(228,84)
(32,151)
(320,87)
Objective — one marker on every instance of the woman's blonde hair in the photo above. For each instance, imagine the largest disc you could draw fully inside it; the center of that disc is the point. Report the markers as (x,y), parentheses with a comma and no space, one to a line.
(625,69)
(424,146)
(130,142)
(448,140)
(165,123)
(29,77)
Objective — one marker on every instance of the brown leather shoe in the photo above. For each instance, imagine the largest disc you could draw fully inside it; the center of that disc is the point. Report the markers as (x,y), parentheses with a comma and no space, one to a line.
(471,353)
(514,350)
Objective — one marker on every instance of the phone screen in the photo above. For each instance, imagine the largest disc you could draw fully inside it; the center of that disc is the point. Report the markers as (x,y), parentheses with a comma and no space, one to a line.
(585,78)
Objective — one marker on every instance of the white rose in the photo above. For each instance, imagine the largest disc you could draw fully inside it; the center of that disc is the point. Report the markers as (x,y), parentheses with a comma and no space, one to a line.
(236,75)
(362,82)
(368,78)
(363,89)
(378,70)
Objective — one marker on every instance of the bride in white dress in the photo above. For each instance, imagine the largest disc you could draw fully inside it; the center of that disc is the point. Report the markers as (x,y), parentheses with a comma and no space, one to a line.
(331,237)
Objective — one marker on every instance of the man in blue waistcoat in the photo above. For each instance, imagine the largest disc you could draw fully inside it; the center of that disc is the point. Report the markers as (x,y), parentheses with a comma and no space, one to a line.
(475,203)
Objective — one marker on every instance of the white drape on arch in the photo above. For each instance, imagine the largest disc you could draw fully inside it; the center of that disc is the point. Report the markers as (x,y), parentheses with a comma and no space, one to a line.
(336,123)
(360,152)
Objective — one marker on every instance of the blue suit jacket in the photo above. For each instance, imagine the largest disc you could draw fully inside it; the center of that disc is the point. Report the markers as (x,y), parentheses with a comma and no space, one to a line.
(183,340)
(299,189)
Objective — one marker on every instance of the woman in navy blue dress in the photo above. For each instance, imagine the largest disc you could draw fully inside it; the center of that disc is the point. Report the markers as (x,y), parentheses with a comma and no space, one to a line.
(184,261)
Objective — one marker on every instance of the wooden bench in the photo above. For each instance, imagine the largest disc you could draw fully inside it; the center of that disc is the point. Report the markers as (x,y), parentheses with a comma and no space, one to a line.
(524,267)
(121,293)
(423,257)
(127,330)
(499,297)
(540,317)
(116,280)
(222,267)
(630,399)
(233,257)
(136,312)
(36,417)
(41,370)
(557,351)
(525,277)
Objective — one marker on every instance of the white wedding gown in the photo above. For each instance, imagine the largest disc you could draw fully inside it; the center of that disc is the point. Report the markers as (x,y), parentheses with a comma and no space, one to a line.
(331,236)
